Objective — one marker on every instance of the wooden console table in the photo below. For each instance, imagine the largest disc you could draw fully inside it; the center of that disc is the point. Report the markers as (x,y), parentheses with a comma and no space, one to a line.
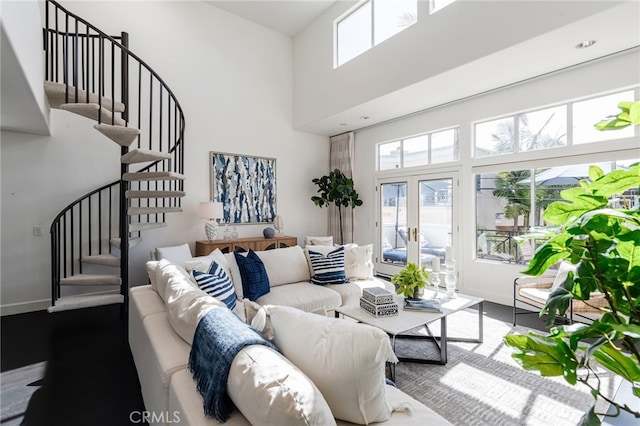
(203,248)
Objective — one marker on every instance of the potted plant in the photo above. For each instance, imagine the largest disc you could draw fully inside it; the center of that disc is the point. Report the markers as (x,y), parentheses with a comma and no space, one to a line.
(411,280)
(337,189)
(604,244)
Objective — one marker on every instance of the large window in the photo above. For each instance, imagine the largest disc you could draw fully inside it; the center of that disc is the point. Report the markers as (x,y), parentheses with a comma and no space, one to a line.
(509,203)
(429,148)
(371,23)
(548,128)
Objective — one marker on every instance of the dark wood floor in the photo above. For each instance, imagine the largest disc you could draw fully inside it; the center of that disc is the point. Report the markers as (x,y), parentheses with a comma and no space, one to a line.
(90,377)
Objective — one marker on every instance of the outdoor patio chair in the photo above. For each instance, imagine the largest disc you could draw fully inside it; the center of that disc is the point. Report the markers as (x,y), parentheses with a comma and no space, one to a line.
(534,292)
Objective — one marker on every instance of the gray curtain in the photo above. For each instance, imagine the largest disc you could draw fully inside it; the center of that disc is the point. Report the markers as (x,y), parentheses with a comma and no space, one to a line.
(341,152)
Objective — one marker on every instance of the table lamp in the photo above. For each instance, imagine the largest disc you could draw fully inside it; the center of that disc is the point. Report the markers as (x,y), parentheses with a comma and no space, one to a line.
(211,210)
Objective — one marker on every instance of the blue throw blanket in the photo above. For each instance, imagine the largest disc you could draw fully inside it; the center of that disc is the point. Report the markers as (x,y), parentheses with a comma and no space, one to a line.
(219,336)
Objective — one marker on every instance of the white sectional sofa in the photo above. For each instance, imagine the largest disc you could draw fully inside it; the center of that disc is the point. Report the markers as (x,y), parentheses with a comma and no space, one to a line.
(162,320)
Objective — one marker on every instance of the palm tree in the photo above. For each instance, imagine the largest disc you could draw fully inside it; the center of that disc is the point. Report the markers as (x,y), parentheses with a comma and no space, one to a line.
(518,195)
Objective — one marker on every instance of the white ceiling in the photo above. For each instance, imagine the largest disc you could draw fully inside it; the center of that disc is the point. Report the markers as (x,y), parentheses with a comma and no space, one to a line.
(288,17)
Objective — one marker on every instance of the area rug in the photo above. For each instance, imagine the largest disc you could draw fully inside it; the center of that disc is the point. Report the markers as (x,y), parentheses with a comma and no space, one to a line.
(482,385)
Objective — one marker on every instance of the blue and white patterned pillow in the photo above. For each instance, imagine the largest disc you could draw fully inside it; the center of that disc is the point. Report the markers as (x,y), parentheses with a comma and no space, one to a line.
(216,283)
(328,269)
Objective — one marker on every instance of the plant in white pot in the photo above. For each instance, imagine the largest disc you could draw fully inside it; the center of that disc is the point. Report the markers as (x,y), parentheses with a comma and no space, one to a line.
(411,280)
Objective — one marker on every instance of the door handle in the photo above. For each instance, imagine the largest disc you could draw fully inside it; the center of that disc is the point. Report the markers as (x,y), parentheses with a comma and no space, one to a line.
(415,234)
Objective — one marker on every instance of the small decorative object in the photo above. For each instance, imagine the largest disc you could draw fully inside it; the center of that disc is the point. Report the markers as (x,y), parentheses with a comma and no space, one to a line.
(410,278)
(212,211)
(435,280)
(377,295)
(424,305)
(227,232)
(381,310)
(450,278)
(269,232)
(234,233)
(278,223)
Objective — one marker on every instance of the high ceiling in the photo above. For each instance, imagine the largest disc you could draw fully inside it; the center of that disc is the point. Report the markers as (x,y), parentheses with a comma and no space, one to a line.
(287,17)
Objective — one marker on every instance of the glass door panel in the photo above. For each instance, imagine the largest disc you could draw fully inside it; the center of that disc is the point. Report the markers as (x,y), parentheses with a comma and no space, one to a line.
(435,220)
(416,221)
(393,223)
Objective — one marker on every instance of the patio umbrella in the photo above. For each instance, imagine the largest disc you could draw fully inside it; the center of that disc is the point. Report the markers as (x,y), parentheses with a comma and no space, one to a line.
(564,175)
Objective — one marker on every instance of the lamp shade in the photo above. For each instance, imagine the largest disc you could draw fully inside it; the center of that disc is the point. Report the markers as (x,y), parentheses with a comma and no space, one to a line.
(210,210)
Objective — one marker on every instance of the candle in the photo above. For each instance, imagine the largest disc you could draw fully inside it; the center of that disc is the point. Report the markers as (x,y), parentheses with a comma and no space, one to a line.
(436,265)
(449,253)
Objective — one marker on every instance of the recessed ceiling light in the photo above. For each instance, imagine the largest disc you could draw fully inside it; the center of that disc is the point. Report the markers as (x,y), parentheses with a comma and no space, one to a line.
(585,44)
(364,117)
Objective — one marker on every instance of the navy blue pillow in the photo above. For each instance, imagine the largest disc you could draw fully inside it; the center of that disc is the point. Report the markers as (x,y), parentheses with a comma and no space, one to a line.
(255,282)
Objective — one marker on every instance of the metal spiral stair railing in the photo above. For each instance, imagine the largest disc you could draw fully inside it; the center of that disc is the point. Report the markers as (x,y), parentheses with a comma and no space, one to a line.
(95,75)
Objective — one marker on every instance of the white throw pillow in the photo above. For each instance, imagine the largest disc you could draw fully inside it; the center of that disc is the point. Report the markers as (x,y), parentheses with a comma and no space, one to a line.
(358,264)
(152,265)
(563,273)
(234,272)
(186,304)
(285,265)
(269,390)
(175,254)
(318,241)
(166,269)
(345,360)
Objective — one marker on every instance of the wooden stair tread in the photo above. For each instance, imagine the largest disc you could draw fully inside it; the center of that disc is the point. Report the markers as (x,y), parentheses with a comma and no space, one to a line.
(102,259)
(56,94)
(135,227)
(140,155)
(152,210)
(123,136)
(94,111)
(91,279)
(115,242)
(140,176)
(67,303)
(154,194)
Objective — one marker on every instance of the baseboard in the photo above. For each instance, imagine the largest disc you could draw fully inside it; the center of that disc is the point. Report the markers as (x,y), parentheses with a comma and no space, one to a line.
(23,307)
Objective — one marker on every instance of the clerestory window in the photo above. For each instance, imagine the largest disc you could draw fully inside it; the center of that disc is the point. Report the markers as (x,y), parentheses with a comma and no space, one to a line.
(369,24)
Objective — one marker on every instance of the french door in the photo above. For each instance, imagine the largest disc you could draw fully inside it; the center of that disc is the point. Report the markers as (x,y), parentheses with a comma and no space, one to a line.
(417,221)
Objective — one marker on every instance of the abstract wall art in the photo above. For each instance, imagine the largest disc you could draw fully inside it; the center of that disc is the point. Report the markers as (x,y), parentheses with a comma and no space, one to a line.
(245,185)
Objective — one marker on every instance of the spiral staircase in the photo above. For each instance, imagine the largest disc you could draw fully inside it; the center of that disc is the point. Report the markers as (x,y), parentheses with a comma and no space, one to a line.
(95,75)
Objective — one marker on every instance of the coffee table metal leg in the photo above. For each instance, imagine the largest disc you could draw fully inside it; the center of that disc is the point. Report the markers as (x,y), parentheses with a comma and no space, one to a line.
(443,340)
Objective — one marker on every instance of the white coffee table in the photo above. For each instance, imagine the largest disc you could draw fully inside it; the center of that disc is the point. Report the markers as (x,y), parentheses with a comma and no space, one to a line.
(395,326)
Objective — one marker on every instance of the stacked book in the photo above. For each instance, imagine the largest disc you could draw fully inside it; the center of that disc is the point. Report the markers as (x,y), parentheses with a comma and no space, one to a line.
(378,302)
(424,305)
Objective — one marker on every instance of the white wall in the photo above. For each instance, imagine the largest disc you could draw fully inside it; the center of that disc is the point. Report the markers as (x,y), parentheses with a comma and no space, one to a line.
(461,34)
(493,281)
(234,82)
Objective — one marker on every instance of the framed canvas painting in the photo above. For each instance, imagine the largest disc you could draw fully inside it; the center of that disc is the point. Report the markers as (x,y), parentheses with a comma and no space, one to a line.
(245,185)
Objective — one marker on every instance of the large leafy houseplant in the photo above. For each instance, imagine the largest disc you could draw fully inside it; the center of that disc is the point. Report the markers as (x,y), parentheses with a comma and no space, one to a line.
(337,189)
(410,278)
(604,244)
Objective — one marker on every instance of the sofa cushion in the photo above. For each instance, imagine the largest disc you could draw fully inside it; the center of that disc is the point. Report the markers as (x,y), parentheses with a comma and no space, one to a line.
(305,296)
(186,303)
(269,390)
(318,241)
(352,291)
(152,267)
(329,268)
(255,281)
(185,404)
(285,265)
(175,254)
(345,360)
(216,282)
(358,264)
(166,270)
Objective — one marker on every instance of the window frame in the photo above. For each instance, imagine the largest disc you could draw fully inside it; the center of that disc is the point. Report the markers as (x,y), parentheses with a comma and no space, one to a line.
(456,149)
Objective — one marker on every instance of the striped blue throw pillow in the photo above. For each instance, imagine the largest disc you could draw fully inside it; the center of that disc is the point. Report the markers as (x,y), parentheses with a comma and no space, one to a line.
(328,269)
(216,283)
